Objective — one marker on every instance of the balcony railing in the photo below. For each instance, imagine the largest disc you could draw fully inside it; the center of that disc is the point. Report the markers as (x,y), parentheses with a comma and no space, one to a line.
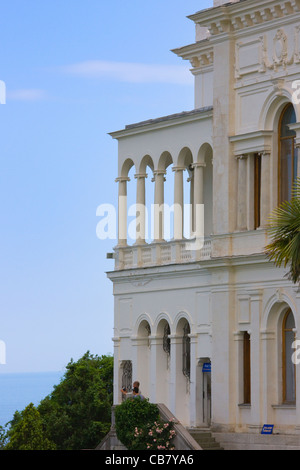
(161,253)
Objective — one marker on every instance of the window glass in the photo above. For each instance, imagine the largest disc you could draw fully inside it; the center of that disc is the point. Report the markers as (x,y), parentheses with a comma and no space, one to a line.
(288,154)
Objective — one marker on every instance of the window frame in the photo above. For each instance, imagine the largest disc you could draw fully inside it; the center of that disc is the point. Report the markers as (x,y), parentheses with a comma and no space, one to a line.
(280,140)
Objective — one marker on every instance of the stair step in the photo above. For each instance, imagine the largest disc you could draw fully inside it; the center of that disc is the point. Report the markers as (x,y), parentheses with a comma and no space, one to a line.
(205,439)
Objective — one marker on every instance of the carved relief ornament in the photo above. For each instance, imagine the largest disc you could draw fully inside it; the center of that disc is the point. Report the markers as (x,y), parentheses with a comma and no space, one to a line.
(280,55)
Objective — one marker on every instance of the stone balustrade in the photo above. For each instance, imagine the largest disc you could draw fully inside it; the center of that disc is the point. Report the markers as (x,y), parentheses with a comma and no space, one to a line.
(161,253)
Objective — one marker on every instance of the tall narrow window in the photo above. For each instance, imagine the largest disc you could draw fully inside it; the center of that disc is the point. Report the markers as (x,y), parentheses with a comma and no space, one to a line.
(288,154)
(247,369)
(186,351)
(288,367)
(257,189)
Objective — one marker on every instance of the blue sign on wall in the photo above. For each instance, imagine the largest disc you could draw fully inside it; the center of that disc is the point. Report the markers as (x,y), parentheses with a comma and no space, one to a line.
(267,429)
(206,367)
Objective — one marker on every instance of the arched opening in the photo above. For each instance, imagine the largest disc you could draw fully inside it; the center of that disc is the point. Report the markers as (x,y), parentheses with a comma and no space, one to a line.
(143,356)
(184,181)
(163,357)
(182,351)
(145,198)
(288,154)
(288,367)
(164,192)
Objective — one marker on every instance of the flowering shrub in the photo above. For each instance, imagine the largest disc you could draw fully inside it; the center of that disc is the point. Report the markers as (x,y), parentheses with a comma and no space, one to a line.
(156,437)
(139,427)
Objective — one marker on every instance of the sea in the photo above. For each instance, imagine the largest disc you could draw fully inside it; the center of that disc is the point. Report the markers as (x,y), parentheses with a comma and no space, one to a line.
(17,390)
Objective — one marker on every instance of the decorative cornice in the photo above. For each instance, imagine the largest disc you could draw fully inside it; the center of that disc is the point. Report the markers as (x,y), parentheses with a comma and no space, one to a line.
(200,54)
(233,17)
(163,122)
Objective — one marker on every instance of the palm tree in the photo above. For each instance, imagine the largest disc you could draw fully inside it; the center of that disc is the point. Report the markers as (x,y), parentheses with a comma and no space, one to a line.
(284,230)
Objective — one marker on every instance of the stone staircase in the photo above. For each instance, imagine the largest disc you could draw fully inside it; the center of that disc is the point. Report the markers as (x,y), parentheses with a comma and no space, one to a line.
(204,438)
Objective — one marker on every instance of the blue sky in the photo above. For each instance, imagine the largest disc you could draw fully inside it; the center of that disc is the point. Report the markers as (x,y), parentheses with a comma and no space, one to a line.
(74,71)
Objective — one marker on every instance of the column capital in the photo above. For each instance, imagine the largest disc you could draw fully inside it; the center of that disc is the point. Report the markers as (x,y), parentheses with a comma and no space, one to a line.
(141,176)
(243,156)
(198,165)
(122,179)
(158,173)
(264,153)
(178,168)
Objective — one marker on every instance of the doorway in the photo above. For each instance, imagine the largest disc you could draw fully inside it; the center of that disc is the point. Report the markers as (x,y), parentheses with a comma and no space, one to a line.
(206,381)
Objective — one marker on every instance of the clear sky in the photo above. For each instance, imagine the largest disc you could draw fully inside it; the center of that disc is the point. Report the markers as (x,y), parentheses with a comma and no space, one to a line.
(74,71)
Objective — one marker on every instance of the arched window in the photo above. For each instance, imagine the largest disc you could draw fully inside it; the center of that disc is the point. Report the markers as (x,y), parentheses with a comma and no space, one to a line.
(288,367)
(288,154)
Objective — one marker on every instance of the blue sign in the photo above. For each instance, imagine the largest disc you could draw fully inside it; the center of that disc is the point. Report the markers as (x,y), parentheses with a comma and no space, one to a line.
(267,429)
(206,367)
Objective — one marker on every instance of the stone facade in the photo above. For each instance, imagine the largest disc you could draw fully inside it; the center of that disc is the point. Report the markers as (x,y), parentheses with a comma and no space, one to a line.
(181,309)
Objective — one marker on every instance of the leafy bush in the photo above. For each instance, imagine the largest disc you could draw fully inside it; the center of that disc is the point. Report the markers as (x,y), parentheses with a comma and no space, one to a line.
(76,415)
(139,427)
(156,437)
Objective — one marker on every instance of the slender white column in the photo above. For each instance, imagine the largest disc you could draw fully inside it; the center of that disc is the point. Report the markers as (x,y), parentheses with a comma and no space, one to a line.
(191,181)
(122,210)
(242,193)
(178,202)
(198,196)
(140,208)
(159,178)
(199,182)
(265,189)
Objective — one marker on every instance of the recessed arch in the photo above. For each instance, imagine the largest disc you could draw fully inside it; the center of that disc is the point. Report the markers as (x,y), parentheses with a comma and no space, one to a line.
(278,303)
(185,158)
(146,162)
(160,321)
(181,318)
(205,153)
(126,167)
(273,107)
(165,160)
(141,327)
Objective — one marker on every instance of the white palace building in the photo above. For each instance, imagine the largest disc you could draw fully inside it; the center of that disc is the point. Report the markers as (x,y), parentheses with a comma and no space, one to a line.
(207,328)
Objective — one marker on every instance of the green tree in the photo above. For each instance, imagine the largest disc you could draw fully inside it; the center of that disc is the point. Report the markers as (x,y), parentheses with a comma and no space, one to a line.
(284,230)
(76,415)
(29,433)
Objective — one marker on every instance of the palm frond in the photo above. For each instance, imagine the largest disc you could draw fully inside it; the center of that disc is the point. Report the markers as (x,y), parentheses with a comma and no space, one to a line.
(284,231)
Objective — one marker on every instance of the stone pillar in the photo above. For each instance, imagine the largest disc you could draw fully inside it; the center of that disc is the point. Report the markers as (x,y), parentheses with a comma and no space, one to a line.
(256,373)
(122,210)
(191,181)
(176,346)
(193,381)
(242,193)
(265,189)
(159,178)
(178,202)
(198,196)
(140,209)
